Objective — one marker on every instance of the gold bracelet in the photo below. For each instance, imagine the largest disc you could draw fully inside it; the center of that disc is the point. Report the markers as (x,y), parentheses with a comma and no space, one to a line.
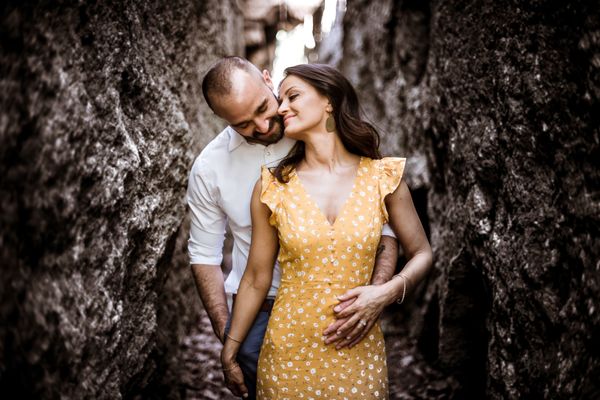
(235,340)
(404,279)
(235,365)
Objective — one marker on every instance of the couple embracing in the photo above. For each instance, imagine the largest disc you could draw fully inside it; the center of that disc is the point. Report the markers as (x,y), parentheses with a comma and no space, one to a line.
(316,215)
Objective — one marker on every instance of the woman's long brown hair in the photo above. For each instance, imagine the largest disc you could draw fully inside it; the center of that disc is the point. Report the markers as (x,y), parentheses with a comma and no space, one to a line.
(358,136)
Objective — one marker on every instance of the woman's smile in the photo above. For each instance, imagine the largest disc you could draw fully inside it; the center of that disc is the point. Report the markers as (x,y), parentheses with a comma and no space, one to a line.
(287,118)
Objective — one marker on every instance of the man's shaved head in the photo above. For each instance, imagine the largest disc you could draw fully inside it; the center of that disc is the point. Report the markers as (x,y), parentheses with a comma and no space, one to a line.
(239,93)
(218,80)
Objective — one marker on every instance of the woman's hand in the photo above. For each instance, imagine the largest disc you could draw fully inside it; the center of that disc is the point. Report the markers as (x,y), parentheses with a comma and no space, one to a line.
(358,311)
(234,378)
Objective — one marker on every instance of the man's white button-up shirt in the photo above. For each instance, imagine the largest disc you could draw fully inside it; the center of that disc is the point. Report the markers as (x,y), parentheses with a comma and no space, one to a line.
(219,192)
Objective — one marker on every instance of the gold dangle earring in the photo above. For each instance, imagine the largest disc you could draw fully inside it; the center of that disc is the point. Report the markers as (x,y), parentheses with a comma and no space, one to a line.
(330,122)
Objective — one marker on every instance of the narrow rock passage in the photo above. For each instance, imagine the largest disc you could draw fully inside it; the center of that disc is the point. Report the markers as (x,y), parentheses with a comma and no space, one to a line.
(202,377)
(410,376)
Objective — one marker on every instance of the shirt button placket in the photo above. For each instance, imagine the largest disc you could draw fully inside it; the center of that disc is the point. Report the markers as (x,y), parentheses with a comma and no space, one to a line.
(268,155)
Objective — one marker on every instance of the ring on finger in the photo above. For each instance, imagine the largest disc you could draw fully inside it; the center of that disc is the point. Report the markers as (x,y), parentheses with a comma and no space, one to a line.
(363,322)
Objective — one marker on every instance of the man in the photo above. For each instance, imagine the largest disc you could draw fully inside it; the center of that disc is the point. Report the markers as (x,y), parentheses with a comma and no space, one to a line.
(219,192)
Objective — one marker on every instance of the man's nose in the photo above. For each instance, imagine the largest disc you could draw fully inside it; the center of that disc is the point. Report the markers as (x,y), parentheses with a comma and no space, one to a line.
(262,125)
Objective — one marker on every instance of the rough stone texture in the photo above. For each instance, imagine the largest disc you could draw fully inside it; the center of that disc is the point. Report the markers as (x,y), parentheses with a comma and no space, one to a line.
(496,106)
(101,117)
(203,378)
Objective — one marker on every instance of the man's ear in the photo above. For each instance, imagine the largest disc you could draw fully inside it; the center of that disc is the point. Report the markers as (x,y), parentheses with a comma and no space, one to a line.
(267,78)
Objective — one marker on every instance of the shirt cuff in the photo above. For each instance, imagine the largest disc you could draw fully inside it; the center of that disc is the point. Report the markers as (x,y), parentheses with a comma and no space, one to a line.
(387,231)
(208,251)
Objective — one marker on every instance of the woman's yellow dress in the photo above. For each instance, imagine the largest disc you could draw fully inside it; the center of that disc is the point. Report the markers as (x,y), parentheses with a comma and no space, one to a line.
(320,261)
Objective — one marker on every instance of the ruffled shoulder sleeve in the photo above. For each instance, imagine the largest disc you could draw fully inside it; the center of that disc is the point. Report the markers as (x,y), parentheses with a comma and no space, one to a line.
(390,171)
(270,193)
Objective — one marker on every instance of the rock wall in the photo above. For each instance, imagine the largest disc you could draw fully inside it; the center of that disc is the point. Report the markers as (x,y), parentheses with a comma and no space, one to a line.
(495,104)
(101,118)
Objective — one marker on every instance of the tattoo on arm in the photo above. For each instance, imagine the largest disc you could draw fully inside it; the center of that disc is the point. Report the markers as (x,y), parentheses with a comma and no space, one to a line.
(380,249)
(386,259)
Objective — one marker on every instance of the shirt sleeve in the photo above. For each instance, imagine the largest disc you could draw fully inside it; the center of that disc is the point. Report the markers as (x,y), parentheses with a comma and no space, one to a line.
(387,231)
(208,221)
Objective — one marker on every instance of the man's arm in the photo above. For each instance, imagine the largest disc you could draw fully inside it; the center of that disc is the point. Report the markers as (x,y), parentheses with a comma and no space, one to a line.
(205,246)
(210,286)
(387,258)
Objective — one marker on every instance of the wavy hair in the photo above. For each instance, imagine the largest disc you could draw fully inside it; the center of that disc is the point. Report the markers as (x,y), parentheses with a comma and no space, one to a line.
(357,135)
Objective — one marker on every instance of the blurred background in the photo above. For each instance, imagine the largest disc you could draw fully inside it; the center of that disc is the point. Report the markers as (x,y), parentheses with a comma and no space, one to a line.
(494,103)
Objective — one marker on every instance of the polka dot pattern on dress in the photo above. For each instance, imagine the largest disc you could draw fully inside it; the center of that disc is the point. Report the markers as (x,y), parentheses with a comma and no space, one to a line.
(320,261)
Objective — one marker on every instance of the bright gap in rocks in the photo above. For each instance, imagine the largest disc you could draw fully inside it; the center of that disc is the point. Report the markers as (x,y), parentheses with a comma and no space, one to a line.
(299,44)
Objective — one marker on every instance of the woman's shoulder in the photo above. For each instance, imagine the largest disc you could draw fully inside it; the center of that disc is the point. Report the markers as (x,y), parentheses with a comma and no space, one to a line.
(267,175)
(388,163)
(270,188)
(270,175)
(389,171)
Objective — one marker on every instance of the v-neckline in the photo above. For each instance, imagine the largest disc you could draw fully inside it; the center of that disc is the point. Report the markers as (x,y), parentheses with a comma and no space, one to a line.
(346,201)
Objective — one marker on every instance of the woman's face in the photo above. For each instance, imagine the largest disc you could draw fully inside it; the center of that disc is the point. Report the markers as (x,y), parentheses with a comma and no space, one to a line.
(303,109)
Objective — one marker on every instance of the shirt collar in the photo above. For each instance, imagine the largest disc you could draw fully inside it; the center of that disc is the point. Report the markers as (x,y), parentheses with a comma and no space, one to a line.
(235,139)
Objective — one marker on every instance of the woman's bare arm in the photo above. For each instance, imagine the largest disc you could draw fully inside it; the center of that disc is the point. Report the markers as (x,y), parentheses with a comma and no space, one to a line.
(253,289)
(405,222)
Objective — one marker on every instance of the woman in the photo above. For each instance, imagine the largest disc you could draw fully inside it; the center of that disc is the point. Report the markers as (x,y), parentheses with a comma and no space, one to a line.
(323,208)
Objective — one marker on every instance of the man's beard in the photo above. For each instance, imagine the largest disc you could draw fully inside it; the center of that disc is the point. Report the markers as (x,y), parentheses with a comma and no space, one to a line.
(269,138)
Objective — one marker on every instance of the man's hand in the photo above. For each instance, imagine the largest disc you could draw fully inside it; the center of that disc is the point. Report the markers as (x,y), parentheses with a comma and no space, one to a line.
(221,335)
(358,311)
